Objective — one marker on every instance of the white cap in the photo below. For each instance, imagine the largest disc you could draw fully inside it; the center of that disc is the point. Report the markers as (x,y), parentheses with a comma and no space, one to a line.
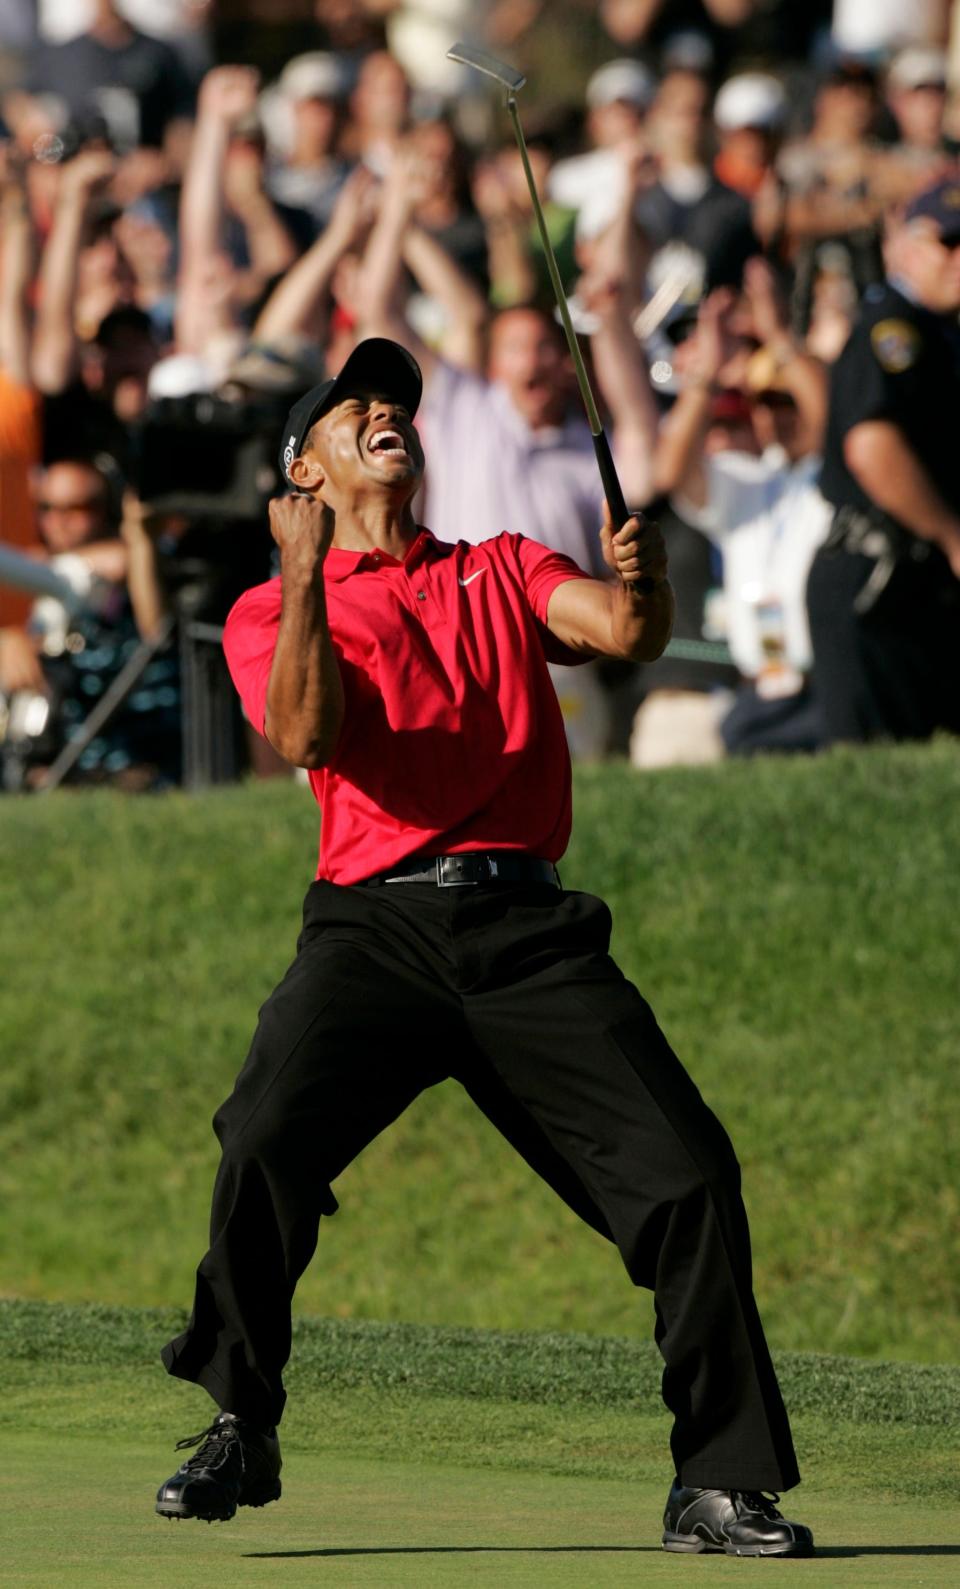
(317,75)
(918,66)
(623,79)
(180,375)
(752,99)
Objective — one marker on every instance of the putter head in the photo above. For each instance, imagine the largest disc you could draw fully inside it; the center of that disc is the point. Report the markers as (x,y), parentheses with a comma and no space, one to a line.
(468,55)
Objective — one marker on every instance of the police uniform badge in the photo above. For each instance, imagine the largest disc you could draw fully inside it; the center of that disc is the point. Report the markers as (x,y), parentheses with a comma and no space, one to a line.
(896,344)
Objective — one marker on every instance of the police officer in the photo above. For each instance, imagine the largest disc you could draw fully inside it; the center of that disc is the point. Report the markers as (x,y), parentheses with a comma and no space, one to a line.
(884,590)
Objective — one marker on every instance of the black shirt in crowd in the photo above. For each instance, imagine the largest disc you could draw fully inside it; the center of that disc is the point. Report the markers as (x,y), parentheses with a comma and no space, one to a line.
(717,224)
(137,87)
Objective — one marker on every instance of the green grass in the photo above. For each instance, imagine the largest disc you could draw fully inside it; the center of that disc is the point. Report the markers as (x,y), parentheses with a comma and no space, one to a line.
(80,1513)
(532,1367)
(421,1456)
(792,923)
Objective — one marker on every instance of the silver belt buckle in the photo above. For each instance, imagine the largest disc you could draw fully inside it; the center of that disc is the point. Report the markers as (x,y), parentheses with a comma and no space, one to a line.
(460,882)
(450,882)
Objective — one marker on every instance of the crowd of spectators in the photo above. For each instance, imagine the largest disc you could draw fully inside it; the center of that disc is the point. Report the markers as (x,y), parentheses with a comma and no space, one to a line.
(206,203)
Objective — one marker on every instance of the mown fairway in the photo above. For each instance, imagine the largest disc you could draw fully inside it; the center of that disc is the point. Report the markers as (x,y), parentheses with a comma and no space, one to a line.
(84,1519)
(794,924)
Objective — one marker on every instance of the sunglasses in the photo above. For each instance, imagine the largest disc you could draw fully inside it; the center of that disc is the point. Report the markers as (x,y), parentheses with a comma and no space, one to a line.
(69,507)
(782,401)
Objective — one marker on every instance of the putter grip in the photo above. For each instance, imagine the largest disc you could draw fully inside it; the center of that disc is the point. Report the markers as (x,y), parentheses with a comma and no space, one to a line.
(613,492)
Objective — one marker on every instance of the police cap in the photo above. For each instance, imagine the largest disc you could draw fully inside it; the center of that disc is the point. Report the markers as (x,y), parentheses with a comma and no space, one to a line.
(941,204)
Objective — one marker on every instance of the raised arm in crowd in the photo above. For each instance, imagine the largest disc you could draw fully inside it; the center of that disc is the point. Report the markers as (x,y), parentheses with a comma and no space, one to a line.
(395,241)
(209,294)
(717,358)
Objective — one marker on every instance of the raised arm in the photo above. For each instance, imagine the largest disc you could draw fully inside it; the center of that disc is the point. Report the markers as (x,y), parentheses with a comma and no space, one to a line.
(16,271)
(513,278)
(144,584)
(55,347)
(630,617)
(678,461)
(269,244)
(305,703)
(226,94)
(437,273)
(297,304)
(381,283)
(803,376)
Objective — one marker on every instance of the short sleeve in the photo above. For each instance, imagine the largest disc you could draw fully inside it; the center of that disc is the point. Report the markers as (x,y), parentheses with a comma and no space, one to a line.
(542,570)
(876,375)
(249,641)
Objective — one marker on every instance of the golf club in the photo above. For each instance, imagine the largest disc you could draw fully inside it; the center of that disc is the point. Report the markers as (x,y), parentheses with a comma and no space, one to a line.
(512,80)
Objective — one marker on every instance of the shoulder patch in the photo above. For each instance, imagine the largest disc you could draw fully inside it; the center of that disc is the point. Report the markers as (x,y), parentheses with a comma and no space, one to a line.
(896,344)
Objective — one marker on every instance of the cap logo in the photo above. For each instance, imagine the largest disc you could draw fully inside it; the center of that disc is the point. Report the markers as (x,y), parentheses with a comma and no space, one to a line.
(951,198)
(289,453)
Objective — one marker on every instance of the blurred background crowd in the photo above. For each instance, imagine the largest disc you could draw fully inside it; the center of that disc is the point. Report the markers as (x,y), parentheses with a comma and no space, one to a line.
(755,206)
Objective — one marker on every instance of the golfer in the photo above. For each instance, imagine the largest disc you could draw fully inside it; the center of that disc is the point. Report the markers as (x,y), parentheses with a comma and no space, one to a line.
(409,674)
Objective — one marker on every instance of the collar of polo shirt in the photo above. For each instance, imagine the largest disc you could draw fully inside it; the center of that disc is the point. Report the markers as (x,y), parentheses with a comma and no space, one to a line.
(341,563)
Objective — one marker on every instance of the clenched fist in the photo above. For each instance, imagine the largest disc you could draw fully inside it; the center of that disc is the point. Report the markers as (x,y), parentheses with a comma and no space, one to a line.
(229,93)
(637,551)
(302,528)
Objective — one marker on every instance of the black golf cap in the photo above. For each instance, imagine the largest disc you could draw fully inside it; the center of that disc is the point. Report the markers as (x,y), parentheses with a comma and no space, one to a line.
(377,365)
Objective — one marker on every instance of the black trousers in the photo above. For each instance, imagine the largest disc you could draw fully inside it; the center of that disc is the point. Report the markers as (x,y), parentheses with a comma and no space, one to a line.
(892,672)
(511,990)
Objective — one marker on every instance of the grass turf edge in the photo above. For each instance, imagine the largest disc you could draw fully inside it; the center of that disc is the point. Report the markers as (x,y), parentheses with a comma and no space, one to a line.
(538,1368)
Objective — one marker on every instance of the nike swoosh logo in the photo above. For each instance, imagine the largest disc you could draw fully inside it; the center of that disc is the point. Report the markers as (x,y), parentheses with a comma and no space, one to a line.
(471,577)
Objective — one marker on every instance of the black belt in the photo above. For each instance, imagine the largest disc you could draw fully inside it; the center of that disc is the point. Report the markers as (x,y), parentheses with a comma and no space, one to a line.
(870,533)
(457,871)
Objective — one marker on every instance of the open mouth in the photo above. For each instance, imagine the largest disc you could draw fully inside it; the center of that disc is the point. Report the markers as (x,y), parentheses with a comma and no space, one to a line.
(387,444)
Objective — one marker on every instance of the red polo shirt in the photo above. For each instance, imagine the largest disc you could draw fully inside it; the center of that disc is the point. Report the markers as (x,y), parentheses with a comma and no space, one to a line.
(452,738)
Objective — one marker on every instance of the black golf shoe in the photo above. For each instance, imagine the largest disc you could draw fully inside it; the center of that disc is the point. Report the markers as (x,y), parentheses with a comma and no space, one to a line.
(235,1465)
(738,1522)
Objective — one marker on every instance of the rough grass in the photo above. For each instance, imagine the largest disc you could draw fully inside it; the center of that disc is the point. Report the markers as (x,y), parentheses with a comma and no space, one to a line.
(793,924)
(488,1365)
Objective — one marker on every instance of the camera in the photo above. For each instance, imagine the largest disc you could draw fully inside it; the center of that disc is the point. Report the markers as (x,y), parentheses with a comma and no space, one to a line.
(208,458)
